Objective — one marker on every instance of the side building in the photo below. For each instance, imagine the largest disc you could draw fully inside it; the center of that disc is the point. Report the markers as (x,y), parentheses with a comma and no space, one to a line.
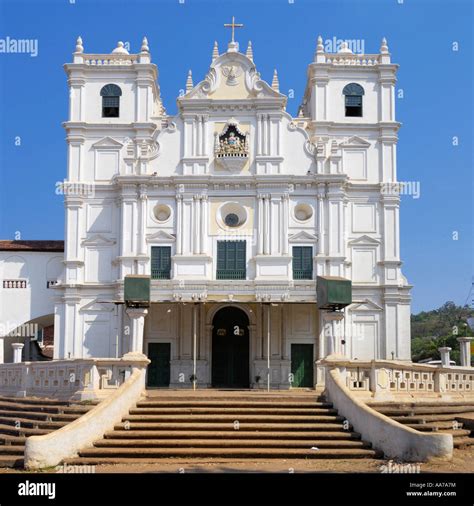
(29,273)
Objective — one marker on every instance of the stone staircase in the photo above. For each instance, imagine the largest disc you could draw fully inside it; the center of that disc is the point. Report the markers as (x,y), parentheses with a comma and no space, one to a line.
(29,416)
(228,425)
(442,417)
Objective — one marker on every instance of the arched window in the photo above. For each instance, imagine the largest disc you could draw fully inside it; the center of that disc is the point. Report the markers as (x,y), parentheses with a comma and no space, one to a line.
(110,94)
(353,94)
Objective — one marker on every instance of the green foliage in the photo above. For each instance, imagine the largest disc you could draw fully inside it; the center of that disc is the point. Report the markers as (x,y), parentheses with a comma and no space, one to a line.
(431,330)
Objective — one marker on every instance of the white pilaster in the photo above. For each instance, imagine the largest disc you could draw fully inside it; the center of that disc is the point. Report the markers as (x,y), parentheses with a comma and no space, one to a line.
(261,220)
(284,229)
(142,222)
(204,223)
(179,225)
(266,225)
(137,321)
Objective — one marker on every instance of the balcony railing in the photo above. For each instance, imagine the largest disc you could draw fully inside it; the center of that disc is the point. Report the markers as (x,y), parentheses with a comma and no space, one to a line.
(302,274)
(160,274)
(231,274)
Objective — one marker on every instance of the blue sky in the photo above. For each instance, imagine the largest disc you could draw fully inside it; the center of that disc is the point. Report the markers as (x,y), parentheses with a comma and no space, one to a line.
(436,83)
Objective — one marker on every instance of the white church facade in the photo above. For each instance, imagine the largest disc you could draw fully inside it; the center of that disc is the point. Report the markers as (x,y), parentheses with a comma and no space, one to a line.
(233,208)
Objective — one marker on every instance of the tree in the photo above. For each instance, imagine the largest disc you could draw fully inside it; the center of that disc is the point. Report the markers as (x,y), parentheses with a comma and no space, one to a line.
(431,330)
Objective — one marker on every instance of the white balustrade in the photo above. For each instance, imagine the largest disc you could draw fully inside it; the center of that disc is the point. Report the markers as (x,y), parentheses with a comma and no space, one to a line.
(383,377)
(110,59)
(75,378)
(353,59)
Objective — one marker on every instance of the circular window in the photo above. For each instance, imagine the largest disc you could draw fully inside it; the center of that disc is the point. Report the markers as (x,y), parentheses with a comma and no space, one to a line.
(231,215)
(231,220)
(303,212)
(162,212)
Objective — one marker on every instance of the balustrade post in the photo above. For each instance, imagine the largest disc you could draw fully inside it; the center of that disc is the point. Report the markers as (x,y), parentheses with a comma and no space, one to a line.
(465,348)
(444,351)
(17,351)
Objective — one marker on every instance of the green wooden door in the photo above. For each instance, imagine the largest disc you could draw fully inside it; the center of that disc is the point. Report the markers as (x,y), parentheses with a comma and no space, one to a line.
(302,365)
(159,368)
(230,349)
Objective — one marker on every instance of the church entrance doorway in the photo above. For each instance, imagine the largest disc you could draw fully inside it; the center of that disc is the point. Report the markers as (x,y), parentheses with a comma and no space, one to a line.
(230,349)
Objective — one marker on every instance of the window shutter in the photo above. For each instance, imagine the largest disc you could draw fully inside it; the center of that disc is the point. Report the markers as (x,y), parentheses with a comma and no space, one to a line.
(161,262)
(297,258)
(165,258)
(221,255)
(306,260)
(231,259)
(240,255)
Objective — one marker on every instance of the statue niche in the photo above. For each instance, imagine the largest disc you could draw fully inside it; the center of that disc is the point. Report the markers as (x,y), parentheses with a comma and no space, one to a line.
(231,147)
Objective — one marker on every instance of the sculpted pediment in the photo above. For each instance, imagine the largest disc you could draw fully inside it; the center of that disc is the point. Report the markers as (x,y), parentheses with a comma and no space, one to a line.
(232,76)
(364,240)
(365,305)
(303,236)
(107,142)
(160,236)
(355,142)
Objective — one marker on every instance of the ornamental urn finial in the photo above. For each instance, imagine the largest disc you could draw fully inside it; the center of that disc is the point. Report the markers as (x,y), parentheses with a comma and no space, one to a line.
(145,48)
(79,46)
(215,51)
(319,46)
(275,81)
(249,52)
(189,82)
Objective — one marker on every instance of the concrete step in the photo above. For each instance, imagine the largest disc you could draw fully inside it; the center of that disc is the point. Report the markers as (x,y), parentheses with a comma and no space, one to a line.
(456,433)
(230,443)
(143,454)
(424,418)
(35,401)
(6,439)
(224,410)
(424,410)
(432,403)
(433,426)
(32,424)
(8,429)
(11,461)
(226,434)
(241,418)
(229,426)
(54,410)
(187,395)
(460,442)
(39,416)
(12,450)
(206,403)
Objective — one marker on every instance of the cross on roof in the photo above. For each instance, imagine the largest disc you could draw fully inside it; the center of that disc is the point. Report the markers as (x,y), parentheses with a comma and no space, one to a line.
(233,25)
